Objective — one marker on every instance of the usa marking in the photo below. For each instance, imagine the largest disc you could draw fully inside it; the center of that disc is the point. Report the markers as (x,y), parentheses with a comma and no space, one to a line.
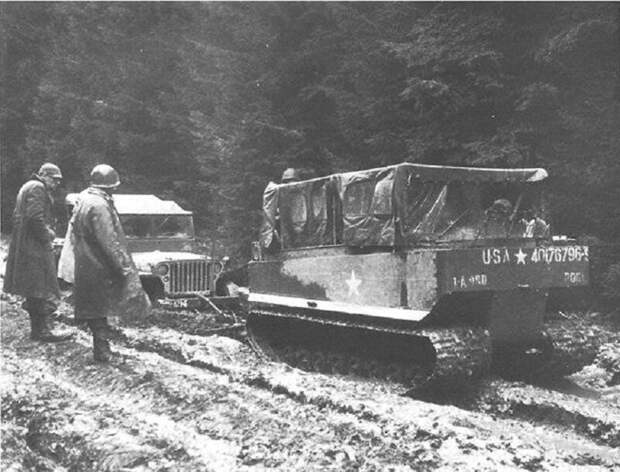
(538,255)
(495,256)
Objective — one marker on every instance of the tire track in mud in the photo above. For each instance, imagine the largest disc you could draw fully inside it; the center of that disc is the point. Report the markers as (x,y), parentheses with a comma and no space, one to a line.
(113,428)
(261,428)
(586,416)
(286,381)
(539,400)
(375,424)
(506,399)
(110,434)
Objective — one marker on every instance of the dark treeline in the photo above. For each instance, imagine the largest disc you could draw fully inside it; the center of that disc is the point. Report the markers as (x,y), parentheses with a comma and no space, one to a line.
(207,102)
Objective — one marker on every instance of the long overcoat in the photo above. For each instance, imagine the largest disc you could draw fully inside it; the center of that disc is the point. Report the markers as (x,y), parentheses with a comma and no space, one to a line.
(30,267)
(106,277)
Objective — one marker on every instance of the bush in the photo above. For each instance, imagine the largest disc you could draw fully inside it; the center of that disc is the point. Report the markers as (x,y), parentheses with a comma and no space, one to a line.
(611,283)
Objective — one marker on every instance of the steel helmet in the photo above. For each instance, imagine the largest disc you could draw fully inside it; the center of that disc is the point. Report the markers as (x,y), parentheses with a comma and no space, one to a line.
(289,175)
(501,207)
(104,176)
(50,170)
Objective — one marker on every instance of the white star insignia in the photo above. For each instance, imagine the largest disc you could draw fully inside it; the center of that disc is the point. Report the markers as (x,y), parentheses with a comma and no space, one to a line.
(520,257)
(353,284)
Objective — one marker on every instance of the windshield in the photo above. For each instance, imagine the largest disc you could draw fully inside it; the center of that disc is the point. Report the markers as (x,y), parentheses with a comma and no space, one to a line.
(158,226)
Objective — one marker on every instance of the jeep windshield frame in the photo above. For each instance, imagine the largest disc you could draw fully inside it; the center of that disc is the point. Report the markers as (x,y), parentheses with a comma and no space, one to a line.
(158,226)
(147,217)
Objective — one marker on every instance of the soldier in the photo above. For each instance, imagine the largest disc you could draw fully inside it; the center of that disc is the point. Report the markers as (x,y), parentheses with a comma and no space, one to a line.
(497,221)
(535,225)
(270,230)
(30,268)
(289,175)
(106,280)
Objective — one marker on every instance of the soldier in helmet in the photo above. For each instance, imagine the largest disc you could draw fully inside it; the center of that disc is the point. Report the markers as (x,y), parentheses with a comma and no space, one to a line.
(497,221)
(105,277)
(30,268)
(289,175)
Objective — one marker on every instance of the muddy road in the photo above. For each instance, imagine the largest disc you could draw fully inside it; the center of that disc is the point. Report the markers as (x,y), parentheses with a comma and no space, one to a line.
(176,398)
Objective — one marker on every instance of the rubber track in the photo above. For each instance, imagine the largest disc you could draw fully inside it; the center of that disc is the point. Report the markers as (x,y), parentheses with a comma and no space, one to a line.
(460,353)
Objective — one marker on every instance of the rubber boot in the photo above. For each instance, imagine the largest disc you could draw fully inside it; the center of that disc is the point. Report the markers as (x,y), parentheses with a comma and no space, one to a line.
(40,311)
(34,327)
(30,306)
(101,350)
(101,345)
(47,334)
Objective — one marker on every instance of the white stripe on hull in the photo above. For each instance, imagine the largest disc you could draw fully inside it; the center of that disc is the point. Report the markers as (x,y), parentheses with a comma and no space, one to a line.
(349,308)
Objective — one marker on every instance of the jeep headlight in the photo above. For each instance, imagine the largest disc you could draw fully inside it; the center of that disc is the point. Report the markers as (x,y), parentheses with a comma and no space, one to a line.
(162,269)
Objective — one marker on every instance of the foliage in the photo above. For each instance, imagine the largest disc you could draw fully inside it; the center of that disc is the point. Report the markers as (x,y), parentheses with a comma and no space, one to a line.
(207,102)
(611,283)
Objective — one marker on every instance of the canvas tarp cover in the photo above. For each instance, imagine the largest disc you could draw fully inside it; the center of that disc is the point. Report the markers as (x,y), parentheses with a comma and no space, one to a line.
(453,206)
(367,207)
(418,204)
(306,210)
(434,173)
(386,206)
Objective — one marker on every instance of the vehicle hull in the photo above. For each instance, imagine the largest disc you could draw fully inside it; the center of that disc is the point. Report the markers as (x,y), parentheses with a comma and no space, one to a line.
(408,284)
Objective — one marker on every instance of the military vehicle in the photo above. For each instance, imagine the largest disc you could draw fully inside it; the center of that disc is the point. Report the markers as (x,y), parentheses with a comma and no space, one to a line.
(417,271)
(161,239)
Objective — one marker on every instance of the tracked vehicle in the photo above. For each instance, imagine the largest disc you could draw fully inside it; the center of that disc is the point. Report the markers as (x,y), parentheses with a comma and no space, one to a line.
(413,271)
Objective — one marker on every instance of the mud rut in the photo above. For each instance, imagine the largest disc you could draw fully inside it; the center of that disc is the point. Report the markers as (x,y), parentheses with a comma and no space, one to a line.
(174,400)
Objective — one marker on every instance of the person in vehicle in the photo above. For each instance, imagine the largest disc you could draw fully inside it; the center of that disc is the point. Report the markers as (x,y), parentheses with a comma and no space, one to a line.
(289,175)
(498,218)
(31,268)
(535,225)
(107,284)
(271,224)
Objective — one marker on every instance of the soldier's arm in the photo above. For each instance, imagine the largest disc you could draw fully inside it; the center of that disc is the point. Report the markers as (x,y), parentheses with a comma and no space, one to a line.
(107,238)
(35,215)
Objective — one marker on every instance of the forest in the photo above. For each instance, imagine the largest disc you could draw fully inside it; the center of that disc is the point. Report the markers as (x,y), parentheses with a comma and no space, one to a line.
(207,102)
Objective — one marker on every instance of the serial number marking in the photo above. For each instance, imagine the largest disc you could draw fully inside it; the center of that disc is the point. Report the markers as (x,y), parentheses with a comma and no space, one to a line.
(574,277)
(543,255)
(466,281)
(560,254)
